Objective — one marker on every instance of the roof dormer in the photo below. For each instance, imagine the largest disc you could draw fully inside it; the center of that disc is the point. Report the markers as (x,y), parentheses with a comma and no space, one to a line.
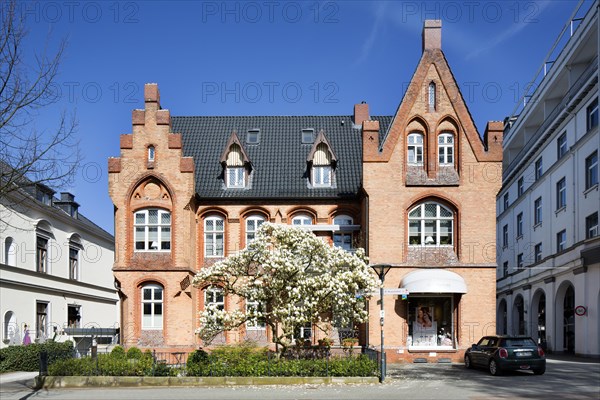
(321,162)
(236,164)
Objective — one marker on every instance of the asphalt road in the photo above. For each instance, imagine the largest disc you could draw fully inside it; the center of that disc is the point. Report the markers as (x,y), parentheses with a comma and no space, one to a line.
(563,380)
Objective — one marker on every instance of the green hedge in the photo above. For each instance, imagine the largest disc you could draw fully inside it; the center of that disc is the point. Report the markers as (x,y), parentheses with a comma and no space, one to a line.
(27,358)
(240,360)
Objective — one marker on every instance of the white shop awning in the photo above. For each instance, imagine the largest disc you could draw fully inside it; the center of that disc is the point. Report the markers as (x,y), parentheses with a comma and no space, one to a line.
(434,281)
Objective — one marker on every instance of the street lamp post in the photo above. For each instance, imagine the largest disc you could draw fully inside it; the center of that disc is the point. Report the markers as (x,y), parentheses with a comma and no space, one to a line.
(381,270)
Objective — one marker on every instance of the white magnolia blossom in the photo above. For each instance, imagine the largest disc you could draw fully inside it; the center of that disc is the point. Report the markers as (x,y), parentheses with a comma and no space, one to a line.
(296,277)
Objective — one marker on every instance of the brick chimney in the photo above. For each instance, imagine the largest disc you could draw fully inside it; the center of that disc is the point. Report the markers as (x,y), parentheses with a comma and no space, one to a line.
(432,34)
(361,114)
(492,139)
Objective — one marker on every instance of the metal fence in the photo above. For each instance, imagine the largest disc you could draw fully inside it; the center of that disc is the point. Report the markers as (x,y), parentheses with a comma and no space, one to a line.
(316,361)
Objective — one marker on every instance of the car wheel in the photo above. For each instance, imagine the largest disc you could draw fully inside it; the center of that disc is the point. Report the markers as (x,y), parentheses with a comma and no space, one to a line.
(468,362)
(539,371)
(493,367)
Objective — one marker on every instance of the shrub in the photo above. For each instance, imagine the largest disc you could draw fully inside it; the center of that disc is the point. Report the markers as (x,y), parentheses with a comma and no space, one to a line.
(118,352)
(134,353)
(27,358)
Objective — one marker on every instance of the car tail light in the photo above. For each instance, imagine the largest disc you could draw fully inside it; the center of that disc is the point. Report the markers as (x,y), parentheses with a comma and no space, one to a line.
(502,353)
(541,352)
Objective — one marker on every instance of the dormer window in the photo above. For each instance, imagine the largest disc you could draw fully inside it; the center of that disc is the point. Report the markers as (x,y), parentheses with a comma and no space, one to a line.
(235,162)
(431,96)
(415,149)
(150,153)
(321,163)
(253,136)
(235,177)
(308,136)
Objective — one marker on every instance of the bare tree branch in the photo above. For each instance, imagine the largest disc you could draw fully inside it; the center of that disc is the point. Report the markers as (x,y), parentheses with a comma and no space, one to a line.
(27,156)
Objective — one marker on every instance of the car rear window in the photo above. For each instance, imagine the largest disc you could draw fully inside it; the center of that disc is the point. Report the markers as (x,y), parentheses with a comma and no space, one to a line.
(520,342)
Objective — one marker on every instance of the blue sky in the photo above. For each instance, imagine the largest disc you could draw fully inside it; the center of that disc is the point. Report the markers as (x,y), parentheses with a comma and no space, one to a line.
(273,58)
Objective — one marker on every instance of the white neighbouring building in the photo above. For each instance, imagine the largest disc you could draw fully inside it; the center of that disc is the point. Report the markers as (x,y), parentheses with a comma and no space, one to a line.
(548,278)
(56,277)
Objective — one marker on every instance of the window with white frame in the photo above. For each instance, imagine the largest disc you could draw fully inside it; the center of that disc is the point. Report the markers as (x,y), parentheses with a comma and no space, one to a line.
(254,310)
(561,146)
(152,307)
(539,169)
(591,225)
(253,222)
(561,241)
(505,236)
(591,170)
(431,96)
(321,166)
(321,175)
(214,298)
(152,228)
(520,224)
(537,250)
(214,236)
(415,149)
(561,194)
(73,316)
(236,177)
(592,114)
(235,172)
(302,219)
(446,149)
(505,201)
(303,331)
(430,224)
(343,239)
(537,211)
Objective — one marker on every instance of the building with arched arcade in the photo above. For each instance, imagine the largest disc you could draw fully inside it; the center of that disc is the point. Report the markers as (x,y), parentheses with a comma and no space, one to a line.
(548,281)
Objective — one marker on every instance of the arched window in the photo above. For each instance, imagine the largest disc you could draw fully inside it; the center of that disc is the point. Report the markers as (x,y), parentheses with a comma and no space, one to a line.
(151,153)
(431,96)
(415,149)
(214,236)
(253,222)
(343,238)
(430,224)
(152,307)
(302,219)
(152,228)
(446,148)
(10,252)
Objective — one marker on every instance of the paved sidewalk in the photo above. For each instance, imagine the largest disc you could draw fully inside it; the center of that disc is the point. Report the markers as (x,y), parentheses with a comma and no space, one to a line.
(16,377)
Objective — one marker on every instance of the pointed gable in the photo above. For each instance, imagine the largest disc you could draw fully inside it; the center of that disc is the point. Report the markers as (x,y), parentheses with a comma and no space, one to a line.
(321,152)
(234,153)
(434,96)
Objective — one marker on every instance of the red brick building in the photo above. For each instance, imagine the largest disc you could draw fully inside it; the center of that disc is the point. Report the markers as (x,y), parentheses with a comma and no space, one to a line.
(411,188)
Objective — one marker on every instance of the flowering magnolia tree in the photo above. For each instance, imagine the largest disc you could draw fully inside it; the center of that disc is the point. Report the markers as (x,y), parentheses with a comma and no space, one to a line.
(295,278)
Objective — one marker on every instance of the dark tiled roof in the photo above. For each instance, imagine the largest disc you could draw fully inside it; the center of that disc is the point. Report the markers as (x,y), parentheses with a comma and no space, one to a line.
(279,161)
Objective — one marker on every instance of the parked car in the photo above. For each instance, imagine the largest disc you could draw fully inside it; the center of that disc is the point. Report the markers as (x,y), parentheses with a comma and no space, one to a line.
(506,353)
